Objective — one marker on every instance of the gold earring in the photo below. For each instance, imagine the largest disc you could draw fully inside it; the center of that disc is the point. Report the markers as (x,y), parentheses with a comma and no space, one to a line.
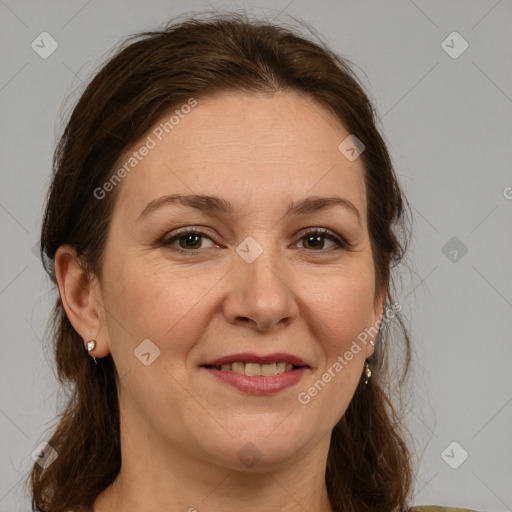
(367,372)
(91,345)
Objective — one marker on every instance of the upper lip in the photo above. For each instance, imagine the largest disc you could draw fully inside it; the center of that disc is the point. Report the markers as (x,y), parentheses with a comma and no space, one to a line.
(250,357)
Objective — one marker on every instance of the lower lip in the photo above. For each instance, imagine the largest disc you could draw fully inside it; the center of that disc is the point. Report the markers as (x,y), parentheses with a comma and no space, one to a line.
(259,385)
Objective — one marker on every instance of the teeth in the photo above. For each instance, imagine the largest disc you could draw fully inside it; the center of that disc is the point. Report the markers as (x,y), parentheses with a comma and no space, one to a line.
(267,370)
(255,369)
(238,368)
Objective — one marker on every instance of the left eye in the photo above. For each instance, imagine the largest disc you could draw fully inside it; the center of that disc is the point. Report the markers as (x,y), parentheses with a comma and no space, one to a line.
(314,237)
(191,240)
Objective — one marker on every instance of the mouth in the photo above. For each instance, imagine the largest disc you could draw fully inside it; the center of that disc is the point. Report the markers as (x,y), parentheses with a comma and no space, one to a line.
(259,375)
(255,369)
(254,365)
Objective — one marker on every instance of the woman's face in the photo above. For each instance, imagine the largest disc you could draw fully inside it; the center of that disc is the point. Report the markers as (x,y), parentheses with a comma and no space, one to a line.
(253,281)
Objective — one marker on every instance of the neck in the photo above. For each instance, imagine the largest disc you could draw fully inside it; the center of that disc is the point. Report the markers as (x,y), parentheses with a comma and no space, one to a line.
(156,480)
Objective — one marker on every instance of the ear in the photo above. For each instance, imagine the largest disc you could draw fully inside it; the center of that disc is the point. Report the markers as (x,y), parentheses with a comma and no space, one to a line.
(81,298)
(376,319)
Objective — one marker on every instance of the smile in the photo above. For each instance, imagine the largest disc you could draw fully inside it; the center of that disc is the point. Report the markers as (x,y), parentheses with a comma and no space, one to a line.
(255,369)
(257,384)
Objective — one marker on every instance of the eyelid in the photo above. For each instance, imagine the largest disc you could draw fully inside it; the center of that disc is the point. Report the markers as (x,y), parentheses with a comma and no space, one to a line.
(171,237)
(340,241)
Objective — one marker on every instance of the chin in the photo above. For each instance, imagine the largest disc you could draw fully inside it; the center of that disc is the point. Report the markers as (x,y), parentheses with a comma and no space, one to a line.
(258,451)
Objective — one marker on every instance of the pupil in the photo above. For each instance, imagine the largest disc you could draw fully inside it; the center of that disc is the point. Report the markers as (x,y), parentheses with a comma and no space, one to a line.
(189,238)
(312,237)
(313,241)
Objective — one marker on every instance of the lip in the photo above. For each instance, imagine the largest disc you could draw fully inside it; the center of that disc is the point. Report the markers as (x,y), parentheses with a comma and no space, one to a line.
(258,385)
(250,357)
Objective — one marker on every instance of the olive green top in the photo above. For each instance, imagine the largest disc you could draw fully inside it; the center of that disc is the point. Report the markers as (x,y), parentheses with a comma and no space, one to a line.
(419,508)
(435,508)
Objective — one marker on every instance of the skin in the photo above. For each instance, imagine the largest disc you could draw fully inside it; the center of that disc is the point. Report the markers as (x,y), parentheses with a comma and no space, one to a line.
(181,430)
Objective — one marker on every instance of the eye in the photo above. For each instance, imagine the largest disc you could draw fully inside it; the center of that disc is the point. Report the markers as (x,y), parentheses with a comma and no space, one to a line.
(189,241)
(314,237)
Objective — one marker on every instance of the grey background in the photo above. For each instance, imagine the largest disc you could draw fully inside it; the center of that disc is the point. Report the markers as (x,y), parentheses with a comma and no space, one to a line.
(448,123)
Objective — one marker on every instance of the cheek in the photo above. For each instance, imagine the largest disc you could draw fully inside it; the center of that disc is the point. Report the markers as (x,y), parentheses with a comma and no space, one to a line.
(339,314)
(342,306)
(159,301)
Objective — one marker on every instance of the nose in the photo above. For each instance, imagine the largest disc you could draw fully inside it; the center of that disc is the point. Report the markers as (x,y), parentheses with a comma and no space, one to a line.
(261,294)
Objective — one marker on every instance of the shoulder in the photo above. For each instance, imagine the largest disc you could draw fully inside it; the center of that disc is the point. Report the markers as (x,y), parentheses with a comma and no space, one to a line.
(436,508)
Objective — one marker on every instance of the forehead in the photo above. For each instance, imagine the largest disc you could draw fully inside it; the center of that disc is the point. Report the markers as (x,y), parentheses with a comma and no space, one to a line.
(247,148)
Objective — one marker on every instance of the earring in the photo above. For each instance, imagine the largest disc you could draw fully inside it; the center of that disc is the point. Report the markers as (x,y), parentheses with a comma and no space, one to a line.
(91,345)
(367,372)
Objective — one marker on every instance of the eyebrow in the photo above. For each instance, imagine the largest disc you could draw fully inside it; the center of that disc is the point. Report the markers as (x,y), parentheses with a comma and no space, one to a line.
(218,205)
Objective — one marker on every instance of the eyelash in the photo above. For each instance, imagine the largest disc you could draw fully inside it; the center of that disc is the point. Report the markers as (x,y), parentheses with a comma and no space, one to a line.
(325,233)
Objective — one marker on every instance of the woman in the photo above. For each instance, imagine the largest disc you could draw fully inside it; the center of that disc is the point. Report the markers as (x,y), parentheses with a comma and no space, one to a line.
(221,227)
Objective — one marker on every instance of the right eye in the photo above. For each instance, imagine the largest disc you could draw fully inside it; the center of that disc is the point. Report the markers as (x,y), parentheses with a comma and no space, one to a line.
(187,239)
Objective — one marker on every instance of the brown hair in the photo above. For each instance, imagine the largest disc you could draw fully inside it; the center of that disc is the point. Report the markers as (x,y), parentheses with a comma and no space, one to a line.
(369,466)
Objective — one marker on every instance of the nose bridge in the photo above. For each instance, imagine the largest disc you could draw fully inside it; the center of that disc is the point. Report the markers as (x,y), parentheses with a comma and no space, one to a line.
(262,263)
(263,291)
